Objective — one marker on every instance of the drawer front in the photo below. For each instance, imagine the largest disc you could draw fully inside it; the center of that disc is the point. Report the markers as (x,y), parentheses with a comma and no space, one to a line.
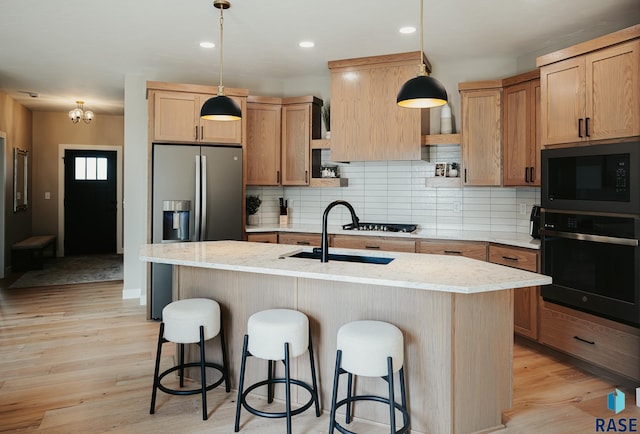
(611,348)
(300,239)
(374,243)
(469,250)
(523,259)
(263,237)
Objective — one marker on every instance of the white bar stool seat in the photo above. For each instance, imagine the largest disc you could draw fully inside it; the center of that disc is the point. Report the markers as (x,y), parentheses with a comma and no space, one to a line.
(370,349)
(191,321)
(277,335)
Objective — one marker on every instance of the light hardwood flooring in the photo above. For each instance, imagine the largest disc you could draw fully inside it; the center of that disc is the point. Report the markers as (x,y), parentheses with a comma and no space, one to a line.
(79,359)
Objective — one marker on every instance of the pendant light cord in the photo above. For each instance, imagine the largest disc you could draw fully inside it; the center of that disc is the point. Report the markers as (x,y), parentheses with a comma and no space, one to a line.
(220,87)
(423,67)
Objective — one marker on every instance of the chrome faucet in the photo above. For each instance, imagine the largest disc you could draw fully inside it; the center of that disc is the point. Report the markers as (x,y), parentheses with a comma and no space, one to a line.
(325,237)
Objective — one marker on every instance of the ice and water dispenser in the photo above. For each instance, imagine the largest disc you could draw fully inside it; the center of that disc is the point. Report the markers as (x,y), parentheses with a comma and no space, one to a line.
(175,220)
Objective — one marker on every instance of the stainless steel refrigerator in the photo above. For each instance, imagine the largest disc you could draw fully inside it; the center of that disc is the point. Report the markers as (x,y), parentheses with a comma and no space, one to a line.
(210,179)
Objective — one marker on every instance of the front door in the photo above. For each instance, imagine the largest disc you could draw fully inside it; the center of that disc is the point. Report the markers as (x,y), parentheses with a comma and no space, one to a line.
(90,202)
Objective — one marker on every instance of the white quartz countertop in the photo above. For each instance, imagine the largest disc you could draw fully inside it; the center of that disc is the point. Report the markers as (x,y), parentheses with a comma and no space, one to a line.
(508,238)
(407,270)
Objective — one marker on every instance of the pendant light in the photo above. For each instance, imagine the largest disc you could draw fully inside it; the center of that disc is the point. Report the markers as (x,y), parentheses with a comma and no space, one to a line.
(221,107)
(422,91)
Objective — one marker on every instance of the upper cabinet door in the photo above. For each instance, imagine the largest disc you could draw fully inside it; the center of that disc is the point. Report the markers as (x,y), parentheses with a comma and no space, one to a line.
(593,96)
(220,131)
(263,144)
(296,144)
(613,92)
(175,117)
(563,96)
(481,137)
(521,134)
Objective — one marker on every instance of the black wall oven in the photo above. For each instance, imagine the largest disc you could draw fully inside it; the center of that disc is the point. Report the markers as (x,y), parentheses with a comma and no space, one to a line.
(594,262)
(590,227)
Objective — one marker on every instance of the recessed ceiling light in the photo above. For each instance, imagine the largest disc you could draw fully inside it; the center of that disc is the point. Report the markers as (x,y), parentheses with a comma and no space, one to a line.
(306,44)
(207,44)
(407,29)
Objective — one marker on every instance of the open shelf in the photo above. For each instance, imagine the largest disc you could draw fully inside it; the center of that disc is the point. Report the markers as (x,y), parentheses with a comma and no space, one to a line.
(329,182)
(444,181)
(441,139)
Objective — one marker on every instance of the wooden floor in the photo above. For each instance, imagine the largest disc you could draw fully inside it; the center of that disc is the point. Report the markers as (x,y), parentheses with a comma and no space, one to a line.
(79,359)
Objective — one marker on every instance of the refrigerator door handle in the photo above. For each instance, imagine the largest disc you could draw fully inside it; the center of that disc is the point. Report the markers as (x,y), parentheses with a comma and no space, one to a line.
(196,236)
(203,198)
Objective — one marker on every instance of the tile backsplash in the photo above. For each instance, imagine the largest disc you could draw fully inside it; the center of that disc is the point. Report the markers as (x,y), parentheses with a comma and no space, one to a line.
(396,192)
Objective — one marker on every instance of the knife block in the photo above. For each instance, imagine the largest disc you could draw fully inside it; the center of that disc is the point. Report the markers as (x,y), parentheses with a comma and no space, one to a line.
(284,219)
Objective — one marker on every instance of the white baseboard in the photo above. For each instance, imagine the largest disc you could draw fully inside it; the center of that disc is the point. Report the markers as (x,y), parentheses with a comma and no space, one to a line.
(131,293)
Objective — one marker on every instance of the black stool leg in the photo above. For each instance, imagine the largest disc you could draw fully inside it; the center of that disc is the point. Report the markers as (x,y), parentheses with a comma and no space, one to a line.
(334,396)
(313,376)
(392,401)
(241,383)
(203,375)
(225,360)
(403,392)
(270,385)
(181,363)
(349,395)
(287,381)
(157,369)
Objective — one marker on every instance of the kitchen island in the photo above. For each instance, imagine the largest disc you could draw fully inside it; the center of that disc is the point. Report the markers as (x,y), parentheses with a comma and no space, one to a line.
(456,315)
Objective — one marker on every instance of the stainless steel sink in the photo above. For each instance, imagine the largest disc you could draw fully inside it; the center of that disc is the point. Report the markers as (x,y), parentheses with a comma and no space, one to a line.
(341,257)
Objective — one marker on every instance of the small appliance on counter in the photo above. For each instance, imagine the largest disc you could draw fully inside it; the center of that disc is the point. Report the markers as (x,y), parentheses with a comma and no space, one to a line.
(534,223)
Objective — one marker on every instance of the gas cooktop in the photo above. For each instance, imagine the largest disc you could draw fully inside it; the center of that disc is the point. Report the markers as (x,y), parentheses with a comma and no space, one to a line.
(384,227)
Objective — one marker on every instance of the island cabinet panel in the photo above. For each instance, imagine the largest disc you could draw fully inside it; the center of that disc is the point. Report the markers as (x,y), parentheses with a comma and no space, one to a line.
(525,300)
(366,122)
(176,118)
(593,96)
(300,239)
(373,243)
(481,135)
(608,344)
(469,249)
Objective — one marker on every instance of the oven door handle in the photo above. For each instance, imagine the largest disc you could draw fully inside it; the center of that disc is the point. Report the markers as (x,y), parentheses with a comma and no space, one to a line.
(588,237)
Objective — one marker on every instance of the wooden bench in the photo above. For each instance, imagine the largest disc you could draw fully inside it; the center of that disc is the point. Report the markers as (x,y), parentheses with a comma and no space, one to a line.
(29,254)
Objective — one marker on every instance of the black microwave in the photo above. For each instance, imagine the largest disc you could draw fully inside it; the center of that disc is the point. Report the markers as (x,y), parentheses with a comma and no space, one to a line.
(598,178)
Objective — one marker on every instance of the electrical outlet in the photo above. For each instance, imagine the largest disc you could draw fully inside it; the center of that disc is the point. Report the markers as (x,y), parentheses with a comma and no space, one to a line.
(456,207)
(47,195)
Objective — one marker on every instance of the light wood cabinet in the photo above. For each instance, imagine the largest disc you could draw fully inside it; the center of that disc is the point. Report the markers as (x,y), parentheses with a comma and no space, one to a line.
(296,144)
(525,300)
(592,96)
(605,343)
(263,143)
(279,134)
(366,122)
(469,249)
(300,239)
(263,237)
(373,243)
(177,119)
(481,108)
(521,130)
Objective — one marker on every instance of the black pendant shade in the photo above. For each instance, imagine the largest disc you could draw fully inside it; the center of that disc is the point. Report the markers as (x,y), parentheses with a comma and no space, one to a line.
(220,108)
(422,92)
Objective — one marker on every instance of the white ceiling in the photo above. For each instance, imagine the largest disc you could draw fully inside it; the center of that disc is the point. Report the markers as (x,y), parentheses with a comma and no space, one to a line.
(65,50)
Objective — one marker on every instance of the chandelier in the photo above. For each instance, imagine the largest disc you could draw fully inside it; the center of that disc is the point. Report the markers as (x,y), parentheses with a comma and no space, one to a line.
(79,113)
